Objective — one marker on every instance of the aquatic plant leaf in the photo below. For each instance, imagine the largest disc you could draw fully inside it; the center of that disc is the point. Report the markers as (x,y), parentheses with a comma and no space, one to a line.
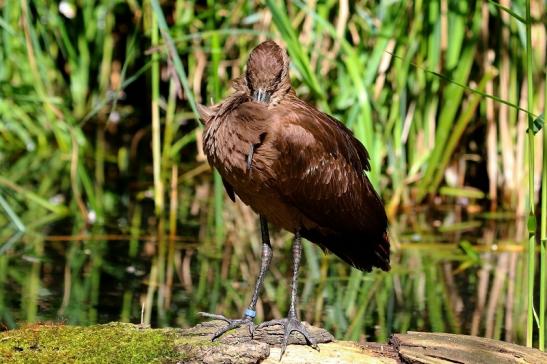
(537,124)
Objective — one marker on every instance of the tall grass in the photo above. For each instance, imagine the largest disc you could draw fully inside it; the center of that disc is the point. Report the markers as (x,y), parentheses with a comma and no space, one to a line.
(543,231)
(531,190)
(98,133)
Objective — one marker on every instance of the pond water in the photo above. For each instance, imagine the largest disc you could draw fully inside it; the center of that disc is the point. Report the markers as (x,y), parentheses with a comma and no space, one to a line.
(451,272)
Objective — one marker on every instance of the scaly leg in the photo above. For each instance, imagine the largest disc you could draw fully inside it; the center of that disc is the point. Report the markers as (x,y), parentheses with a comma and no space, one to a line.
(250,312)
(291,323)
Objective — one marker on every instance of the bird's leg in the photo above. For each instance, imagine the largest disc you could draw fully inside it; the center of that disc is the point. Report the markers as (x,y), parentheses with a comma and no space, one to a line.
(291,323)
(250,312)
(264,262)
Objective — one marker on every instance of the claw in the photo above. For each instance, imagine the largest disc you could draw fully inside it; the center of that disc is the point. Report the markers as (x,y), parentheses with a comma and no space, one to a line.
(232,324)
(214,316)
(290,325)
(218,333)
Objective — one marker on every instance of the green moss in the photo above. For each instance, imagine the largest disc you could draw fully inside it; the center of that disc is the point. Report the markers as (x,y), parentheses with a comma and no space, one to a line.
(110,343)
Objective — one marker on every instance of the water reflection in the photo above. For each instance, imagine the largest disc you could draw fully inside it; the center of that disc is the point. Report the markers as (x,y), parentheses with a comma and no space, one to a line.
(451,273)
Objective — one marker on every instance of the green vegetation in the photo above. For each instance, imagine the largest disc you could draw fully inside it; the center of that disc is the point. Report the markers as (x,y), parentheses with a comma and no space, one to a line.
(111,343)
(102,179)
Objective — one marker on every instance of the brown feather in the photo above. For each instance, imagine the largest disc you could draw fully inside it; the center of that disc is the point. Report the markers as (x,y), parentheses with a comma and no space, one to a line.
(308,170)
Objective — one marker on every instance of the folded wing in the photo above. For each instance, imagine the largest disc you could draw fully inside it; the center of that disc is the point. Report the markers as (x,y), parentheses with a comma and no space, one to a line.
(324,177)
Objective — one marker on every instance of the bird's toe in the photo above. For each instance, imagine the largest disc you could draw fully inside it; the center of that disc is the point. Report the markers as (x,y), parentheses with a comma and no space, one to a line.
(271,323)
(298,326)
(214,316)
(231,324)
(290,325)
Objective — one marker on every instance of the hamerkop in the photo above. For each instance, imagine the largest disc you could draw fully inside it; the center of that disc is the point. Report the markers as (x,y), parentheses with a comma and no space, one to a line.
(298,168)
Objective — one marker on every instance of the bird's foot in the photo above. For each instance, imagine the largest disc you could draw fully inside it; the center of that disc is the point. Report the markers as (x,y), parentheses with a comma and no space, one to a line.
(291,324)
(231,324)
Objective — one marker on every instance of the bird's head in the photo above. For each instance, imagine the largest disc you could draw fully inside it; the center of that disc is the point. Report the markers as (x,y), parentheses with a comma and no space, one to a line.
(267,74)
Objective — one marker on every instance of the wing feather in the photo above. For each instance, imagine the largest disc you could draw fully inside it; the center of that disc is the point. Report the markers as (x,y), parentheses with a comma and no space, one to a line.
(324,177)
(322,166)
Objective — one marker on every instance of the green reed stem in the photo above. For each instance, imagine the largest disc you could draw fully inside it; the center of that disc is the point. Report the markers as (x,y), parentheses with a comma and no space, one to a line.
(97,258)
(543,283)
(531,217)
(157,168)
(33,282)
(156,152)
(216,53)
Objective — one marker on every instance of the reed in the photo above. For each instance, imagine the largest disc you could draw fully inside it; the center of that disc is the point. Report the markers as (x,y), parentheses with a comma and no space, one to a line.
(99,134)
(531,191)
(543,254)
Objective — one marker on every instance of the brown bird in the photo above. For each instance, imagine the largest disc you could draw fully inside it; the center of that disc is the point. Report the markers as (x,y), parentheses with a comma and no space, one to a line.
(298,168)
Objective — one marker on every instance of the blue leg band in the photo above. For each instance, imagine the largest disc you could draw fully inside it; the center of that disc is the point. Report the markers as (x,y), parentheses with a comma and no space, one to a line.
(250,313)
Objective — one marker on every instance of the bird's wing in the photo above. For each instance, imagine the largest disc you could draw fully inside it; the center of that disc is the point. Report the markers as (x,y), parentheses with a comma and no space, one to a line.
(321,170)
(206,114)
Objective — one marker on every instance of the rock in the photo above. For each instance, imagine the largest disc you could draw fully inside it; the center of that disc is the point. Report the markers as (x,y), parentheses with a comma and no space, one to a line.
(128,343)
(425,347)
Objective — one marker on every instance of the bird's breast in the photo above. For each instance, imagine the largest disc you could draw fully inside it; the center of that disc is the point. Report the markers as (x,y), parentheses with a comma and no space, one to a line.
(227,149)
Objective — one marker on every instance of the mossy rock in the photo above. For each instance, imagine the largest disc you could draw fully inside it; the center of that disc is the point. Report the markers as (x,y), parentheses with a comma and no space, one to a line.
(128,343)
(110,343)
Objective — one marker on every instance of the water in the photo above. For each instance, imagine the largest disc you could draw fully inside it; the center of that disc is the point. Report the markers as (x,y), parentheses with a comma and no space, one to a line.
(451,272)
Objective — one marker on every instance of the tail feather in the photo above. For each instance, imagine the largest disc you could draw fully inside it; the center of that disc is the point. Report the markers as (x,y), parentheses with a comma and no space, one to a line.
(359,251)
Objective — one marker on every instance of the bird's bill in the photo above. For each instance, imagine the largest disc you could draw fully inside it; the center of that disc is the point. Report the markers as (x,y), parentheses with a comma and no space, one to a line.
(261,96)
